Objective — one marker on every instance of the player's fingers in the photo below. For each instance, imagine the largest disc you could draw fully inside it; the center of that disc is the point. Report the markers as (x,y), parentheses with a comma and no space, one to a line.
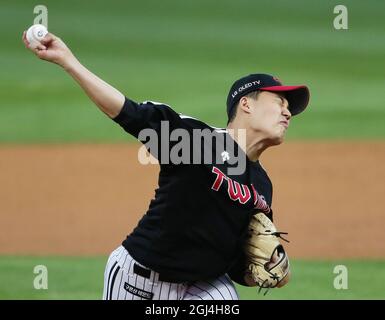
(24,38)
(36,51)
(48,38)
(40,53)
(41,47)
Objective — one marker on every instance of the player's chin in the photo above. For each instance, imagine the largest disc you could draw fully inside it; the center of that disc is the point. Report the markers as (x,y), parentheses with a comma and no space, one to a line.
(281,135)
(278,139)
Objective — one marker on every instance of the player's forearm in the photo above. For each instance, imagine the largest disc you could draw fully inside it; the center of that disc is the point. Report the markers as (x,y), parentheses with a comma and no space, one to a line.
(107,98)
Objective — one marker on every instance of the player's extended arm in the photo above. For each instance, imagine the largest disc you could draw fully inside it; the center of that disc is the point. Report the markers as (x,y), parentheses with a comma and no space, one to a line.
(53,49)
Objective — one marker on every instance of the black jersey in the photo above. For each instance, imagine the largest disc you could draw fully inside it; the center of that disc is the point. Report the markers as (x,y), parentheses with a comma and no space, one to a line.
(196,224)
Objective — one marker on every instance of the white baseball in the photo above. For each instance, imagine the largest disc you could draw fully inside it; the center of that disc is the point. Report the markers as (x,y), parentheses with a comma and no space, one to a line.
(35,34)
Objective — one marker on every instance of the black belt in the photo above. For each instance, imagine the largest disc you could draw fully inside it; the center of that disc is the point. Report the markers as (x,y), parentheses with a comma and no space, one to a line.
(146,273)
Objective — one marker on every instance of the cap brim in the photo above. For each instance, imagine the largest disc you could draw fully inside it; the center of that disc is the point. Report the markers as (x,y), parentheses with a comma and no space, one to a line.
(297,96)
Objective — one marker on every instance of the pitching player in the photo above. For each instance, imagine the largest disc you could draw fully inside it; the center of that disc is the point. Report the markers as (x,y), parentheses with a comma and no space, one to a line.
(188,245)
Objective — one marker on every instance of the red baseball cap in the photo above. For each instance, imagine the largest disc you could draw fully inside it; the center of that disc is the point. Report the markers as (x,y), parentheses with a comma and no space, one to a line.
(297,96)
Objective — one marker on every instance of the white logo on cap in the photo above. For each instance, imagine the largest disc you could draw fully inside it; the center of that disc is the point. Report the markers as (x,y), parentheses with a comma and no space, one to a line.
(246,86)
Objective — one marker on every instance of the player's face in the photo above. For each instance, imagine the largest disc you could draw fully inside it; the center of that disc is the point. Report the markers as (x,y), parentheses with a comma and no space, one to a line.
(270,116)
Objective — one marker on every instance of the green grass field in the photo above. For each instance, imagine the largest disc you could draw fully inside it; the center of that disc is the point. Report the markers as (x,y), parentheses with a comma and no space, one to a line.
(187,54)
(82,278)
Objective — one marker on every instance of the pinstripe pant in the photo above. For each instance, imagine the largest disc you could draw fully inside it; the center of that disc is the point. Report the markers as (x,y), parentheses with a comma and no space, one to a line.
(122,283)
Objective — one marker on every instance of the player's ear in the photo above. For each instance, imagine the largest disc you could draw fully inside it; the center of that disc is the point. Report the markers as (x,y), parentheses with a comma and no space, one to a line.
(244,104)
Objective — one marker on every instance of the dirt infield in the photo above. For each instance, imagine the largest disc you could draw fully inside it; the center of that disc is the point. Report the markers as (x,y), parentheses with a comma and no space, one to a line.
(84,199)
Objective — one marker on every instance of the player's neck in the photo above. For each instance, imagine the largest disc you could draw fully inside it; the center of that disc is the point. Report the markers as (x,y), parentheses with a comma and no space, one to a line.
(255,143)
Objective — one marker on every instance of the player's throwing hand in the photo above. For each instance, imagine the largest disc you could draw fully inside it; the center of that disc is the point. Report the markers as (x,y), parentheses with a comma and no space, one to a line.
(52,49)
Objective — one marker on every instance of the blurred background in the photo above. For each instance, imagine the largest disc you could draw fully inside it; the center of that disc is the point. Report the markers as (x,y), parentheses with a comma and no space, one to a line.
(72,188)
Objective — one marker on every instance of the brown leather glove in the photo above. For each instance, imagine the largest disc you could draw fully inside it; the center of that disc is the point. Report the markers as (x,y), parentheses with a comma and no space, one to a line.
(267,264)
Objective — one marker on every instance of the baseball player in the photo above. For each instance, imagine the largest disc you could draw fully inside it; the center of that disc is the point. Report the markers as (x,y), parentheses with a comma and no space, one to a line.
(189,243)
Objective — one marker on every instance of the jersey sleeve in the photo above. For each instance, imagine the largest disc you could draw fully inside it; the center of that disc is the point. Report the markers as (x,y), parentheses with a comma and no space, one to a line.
(135,117)
(155,125)
(236,273)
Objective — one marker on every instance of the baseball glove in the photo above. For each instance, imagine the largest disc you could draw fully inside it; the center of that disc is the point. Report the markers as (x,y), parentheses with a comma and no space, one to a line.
(267,264)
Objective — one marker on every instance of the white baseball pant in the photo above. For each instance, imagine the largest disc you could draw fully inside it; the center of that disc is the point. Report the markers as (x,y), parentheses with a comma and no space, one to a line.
(126,279)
